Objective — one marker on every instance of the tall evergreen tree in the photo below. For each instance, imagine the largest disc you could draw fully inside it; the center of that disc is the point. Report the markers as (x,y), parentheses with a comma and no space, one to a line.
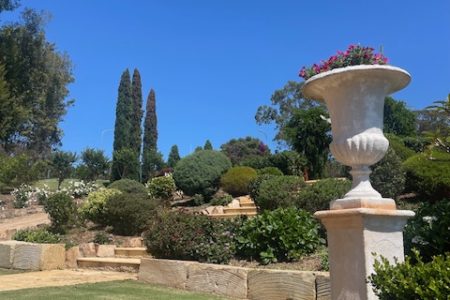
(174,156)
(136,118)
(122,126)
(208,145)
(150,159)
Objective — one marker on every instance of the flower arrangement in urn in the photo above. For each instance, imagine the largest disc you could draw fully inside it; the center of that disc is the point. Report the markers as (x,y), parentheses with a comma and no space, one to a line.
(353,56)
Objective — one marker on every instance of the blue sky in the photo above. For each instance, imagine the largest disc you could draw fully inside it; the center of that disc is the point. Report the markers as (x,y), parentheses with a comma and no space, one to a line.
(212,63)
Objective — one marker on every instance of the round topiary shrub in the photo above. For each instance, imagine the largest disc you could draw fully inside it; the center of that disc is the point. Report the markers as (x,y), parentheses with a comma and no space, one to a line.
(93,208)
(284,234)
(429,175)
(200,172)
(129,213)
(278,191)
(319,195)
(128,186)
(235,181)
(162,187)
(62,211)
(270,171)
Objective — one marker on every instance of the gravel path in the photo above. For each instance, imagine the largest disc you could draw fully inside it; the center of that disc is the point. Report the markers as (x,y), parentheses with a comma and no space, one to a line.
(9,226)
(59,278)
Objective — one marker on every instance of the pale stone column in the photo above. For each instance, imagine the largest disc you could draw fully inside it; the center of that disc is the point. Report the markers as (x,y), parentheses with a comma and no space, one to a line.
(353,235)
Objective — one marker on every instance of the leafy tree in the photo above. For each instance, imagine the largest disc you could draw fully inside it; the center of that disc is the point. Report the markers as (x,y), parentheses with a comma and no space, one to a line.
(308,133)
(388,176)
(6,5)
(122,128)
(37,77)
(442,106)
(136,116)
(174,156)
(125,164)
(398,119)
(240,149)
(208,145)
(7,108)
(151,158)
(153,162)
(62,164)
(198,148)
(95,162)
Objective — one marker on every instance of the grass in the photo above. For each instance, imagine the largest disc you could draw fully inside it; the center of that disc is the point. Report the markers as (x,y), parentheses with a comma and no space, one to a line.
(52,183)
(113,290)
(9,271)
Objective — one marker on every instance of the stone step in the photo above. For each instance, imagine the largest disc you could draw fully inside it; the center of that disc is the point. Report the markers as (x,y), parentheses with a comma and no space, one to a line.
(123,264)
(237,210)
(131,252)
(233,215)
(248,204)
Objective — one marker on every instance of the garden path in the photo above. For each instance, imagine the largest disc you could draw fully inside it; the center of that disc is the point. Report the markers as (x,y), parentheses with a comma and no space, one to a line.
(9,226)
(59,278)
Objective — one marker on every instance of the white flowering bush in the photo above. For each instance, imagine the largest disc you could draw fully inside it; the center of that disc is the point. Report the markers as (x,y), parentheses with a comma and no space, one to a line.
(22,196)
(79,189)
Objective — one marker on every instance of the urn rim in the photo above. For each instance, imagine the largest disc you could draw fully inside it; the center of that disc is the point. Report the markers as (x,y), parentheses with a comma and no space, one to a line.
(397,77)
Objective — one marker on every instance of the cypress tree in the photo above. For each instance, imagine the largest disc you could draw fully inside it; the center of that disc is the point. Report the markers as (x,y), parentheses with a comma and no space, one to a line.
(150,137)
(136,118)
(174,156)
(122,126)
(208,145)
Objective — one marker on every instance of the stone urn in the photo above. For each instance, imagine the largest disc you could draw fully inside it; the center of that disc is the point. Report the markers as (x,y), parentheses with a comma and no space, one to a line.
(354,97)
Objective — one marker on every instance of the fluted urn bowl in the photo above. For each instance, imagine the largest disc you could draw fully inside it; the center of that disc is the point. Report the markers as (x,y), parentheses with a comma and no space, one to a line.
(354,97)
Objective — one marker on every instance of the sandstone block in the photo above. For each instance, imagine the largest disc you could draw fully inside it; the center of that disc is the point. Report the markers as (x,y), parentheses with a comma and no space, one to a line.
(30,256)
(134,242)
(281,284)
(71,257)
(7,253)
(87,250)
(105,250)
(53,256)
(222,280)
(323,286)
(170,273)
(234,204)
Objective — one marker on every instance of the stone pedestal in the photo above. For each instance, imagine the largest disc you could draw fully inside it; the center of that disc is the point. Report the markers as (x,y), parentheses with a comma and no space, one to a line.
(353,235)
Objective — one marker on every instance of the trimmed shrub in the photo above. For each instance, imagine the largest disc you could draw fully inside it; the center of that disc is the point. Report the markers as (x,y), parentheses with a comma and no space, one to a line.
(256,162)
(319,195)
(398,145)
(428,230)
(128,213)
(222,200)
(102,238)
(270,171)
(429,175)
(39,235)
(388,176)
(61,210)
(128,186)
(284,234)
(179,235)
(235,181)
(162,187)
(93,209)
(278,191)
(406,281)
(200,172)
(255,183)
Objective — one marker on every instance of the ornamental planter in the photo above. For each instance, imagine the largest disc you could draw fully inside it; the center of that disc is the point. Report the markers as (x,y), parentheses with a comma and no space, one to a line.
(355,99)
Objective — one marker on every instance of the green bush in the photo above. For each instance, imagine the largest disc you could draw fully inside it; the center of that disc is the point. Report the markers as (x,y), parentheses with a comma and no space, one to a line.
(270,171)
(289,162)
(284,234)
(318,196)
(102,238)
(200,172)
(22,195)
(398,145)
(162,187)
(388,176)
(428,230)
(93,208)
(429,175)
(179,235)
(128,186)
(255,183)
(222,200)
(129,213)
(406,281)
(62,211)
(235,181)
(278,191)
(256,162)
(39,235)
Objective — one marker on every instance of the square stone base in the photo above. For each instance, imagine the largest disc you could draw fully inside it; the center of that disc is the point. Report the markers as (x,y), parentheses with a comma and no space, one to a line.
(353,236)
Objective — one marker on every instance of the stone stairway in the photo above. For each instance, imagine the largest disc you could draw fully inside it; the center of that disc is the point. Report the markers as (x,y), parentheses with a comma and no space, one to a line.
(124,259)
(241,206)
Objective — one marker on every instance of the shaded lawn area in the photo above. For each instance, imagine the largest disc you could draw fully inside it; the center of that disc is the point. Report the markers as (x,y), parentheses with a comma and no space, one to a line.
(113,290)
(9,271)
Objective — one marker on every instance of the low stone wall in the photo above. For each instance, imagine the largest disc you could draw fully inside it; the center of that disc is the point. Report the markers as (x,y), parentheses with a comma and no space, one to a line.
(29,256)
(236,282)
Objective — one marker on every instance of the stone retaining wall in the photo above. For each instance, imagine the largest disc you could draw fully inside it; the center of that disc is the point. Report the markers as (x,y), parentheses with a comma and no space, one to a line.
(236,282)
(19,212)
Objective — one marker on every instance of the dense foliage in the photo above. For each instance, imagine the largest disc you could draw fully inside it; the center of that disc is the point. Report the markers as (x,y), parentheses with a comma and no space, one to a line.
(129,213)
(243,148)
(429,175)
(236,180)
(270,171)
(162,187)
(179,235)
(62,164)
(398,119)
(39,235)
(125,164)
(408,280)
(151,161)
(318,196)
(174,156)
(278,191)
(95,163)
(284,234)
(93,208)
(61,210)
(200,172)
(128,186)
(388,176)
(136,113)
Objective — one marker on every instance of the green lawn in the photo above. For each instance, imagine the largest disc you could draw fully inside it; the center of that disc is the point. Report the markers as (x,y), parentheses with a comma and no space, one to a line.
(9,271)
(52,183)
(114,290)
